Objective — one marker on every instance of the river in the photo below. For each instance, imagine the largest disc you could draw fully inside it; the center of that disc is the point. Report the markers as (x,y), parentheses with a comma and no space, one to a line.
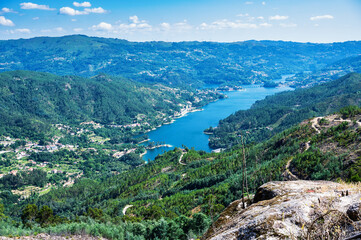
(188,130)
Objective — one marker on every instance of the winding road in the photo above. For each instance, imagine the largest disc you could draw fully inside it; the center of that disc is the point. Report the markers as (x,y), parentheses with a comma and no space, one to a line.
(126,208)
(180,159)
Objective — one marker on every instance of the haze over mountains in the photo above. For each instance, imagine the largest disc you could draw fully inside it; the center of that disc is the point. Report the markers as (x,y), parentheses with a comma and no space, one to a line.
(192,63)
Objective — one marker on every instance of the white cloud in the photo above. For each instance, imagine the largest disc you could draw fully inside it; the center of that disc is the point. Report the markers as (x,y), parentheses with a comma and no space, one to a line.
(182,26)
(278,17)
(224,24)
(7,10)
(165,26)
(134,19)
(78,29)
(59,29)
(6,22)
(83,4)
(248,3)
(74,20)
(263,3)
(288,25)
(20,30)
(135,24)
(315,18)
(36,18)
(95,10)
(260,18)
(103,26)
(176,27)
(30,5)
(243,15)
(73,12)
(265,25)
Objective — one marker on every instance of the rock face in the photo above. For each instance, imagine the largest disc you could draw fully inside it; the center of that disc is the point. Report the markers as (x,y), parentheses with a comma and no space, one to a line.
(293,210)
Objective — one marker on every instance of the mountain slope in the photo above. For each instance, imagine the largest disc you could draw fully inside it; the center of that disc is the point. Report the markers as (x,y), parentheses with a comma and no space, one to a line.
(184,183)
(328,73)
(170,63)
(46,98)
(281,111)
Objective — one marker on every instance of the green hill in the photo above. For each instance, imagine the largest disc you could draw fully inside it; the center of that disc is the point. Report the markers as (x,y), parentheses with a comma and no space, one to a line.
(192,63)
(281,111)
(178,185)
(328,73)
(29,101)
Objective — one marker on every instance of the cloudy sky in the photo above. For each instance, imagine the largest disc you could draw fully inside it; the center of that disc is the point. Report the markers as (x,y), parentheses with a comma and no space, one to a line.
(185,20)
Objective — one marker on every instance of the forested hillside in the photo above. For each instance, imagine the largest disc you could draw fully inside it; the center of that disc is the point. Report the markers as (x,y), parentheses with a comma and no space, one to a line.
(193,63)
(160,196)
(30,101)
(281,111)
(328,73)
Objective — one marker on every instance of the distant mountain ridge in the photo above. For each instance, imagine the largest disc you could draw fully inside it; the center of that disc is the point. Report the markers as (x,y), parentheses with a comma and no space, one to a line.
(193,63)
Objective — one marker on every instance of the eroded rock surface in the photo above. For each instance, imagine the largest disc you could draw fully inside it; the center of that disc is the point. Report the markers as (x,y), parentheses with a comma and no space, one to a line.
(290,210)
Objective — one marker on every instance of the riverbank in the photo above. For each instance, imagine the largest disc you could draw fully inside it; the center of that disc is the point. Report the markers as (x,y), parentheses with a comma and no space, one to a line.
(188,129)
(159,146)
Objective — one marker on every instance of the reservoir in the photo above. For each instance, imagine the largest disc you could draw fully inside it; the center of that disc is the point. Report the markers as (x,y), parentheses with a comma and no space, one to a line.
(188,130)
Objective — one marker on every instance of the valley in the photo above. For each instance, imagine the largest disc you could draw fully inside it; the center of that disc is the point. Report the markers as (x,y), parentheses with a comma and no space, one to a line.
(188,131)
(119,144)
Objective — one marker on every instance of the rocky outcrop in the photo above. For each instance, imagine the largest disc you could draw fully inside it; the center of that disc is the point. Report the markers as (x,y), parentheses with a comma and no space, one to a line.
(293,210)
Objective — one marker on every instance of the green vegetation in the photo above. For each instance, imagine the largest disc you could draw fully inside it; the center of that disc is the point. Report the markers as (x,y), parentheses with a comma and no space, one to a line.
(165,192)
(281,111)
(184,63)
(330,72)
(69,159)
(55,130)
(29,101)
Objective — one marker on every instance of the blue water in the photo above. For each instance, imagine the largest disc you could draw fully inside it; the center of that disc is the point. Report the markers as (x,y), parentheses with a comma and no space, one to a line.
(188,130)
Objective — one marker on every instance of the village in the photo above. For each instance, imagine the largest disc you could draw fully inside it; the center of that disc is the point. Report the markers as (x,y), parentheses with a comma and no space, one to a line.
(17,155)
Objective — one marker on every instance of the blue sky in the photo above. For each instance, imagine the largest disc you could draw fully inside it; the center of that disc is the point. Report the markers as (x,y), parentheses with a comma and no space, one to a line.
(185,20)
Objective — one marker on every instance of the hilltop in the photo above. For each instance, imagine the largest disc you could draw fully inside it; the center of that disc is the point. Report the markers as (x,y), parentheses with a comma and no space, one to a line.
(192,63)
(294,209)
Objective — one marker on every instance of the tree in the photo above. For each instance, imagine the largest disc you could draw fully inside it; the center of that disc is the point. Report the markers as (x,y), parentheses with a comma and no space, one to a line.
(2,209)
(45,216)
(160,230)
(95,213)
(29,214)
(200,223)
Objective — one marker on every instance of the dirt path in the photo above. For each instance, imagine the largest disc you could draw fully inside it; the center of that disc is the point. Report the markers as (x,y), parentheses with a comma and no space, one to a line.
(307,145)
(180,159)
(126,208)
(290,175)
(314,123)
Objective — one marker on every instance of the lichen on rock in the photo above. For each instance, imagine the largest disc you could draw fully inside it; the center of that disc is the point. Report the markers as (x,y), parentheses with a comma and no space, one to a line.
(291,210)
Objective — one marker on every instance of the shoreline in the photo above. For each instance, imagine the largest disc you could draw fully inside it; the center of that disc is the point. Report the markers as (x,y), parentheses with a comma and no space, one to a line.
(146,140)
(159,146)
(143,154)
